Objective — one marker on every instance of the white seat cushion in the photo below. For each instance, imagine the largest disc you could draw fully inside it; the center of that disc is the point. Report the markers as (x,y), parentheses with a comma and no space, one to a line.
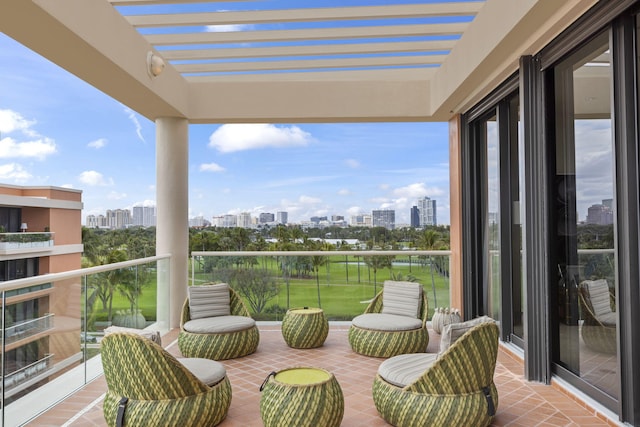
(386,322)
(599,296)
(208,371)
(209,301)
(219,324)
(404,369)
(401,298)
(608,319)
(147,333)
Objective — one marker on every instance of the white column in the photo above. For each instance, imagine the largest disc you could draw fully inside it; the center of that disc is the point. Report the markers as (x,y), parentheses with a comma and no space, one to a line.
(172,199)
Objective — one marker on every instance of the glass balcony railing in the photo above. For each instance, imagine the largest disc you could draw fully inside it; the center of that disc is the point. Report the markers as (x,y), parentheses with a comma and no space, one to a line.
(51,342)
(19,241)
(52,326)
(29,328)
(340,282)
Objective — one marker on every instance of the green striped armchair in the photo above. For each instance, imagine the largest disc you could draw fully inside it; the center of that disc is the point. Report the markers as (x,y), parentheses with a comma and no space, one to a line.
(219,337)
(386,331)
(452,388)
(147,386)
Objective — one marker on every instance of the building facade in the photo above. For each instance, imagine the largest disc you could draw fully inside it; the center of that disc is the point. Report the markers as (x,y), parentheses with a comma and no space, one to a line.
(384,218)
(41,233)
(426,211)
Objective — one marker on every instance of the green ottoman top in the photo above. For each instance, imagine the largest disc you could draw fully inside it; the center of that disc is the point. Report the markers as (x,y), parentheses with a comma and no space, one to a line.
(308,310)
(302,376)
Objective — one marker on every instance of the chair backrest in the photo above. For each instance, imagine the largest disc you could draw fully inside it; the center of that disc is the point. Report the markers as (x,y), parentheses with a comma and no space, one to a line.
(467,366)
(597,296)
(238,307)
(376,306)
(138,368)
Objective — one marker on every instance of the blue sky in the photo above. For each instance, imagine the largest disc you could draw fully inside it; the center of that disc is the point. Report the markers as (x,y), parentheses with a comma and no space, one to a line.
(57,130)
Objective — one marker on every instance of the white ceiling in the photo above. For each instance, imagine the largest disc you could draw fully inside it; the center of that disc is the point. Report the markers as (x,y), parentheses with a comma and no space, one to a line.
(258,61)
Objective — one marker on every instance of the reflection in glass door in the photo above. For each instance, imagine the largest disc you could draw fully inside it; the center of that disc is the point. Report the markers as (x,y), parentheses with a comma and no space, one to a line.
(584,214)
(492,219)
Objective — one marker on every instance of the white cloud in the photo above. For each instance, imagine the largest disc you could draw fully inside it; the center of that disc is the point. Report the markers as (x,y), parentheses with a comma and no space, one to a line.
(352,163)
(384,186)
(114,195)
(344,192)
(354,210)
(134,119)
(308,200)
(39,149)
(98,143)
(67,186)
(94,178)
(14,172)
(211,167)
(225,28)
(238,137)
(418,190)
(11,121)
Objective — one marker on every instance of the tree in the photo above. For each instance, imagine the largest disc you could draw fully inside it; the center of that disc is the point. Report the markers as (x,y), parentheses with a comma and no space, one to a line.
(256,286)
(317,261)
(376,262)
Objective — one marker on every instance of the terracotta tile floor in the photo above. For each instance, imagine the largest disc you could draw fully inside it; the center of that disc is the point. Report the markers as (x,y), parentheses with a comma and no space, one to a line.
(521,403)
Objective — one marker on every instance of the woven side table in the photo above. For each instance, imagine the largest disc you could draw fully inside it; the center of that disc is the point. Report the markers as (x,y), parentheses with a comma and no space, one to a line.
(301,397)
(305,327)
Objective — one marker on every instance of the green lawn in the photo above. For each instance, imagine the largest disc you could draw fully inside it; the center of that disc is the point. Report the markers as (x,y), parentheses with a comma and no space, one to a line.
(344,291)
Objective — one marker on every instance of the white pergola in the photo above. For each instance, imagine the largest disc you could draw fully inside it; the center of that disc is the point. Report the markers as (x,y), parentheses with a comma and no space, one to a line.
(424,61)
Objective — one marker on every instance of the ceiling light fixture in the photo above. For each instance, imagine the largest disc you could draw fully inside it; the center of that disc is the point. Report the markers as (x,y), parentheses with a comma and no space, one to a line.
(155,64)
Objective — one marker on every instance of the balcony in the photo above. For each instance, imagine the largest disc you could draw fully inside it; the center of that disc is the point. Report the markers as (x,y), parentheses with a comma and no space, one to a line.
(11,243)
(69,389)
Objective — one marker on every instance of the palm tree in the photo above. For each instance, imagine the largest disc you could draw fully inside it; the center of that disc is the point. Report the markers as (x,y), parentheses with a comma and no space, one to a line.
(317,261)
(430,240)
(376,262)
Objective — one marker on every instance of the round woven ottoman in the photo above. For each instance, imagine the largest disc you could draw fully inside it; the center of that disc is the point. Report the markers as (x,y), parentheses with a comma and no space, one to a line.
(305,327)
(301,397)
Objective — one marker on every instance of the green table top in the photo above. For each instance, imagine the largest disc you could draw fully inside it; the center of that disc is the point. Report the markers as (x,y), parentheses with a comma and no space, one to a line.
(302,376)
(305,310)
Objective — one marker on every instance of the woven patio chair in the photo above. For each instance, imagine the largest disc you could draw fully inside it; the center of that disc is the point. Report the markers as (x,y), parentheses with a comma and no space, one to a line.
(452,388)
(147,386)
(398,327)
(598,328)
(215,333)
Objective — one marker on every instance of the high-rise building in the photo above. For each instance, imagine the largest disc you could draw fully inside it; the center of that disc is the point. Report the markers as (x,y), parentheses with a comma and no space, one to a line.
(229,221)
(118,218)
(600,215)
(363,220)
(244,220)
(282,217)
(266,217)
(427,211)
(144,216)
(384,218)
(415,217)
(42,325)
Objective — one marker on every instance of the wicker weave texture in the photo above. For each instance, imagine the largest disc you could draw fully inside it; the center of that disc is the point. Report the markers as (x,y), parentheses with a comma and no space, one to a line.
(221,346)
(305,330)
(450,392)
(314,405)
(386,343)
(161,391)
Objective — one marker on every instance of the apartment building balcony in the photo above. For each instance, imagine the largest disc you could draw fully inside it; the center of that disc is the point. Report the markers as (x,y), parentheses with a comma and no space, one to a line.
(28,242)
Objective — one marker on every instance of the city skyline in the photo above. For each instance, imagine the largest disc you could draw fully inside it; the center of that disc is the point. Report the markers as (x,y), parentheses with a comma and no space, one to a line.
(145,216)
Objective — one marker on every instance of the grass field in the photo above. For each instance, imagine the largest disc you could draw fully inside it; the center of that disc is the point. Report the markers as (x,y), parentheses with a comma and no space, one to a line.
(345,288)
